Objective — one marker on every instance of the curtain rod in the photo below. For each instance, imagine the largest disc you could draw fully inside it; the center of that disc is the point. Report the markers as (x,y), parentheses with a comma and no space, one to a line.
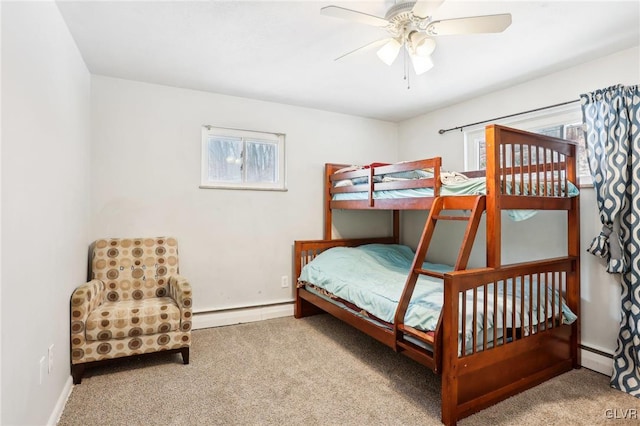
(443,131)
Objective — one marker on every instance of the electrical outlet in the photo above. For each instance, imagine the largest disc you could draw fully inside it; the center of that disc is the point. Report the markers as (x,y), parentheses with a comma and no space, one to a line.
(50,357)
(42,368)
(284,281)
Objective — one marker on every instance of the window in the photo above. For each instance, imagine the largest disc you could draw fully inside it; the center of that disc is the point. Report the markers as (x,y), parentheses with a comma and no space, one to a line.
(561,122)
(242,159)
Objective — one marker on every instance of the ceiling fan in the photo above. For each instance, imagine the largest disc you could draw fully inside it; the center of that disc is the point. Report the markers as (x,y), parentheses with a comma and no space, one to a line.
(411,24)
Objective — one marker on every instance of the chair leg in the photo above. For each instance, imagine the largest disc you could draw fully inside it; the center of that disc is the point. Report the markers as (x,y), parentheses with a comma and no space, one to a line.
(185,355)
(77,371)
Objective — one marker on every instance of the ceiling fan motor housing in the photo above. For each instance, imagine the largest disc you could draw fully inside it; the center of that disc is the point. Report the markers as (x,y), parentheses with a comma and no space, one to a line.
(399,9)
(403,21)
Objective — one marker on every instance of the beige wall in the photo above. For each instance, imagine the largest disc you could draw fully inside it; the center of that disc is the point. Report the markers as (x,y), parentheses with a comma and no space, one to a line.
(45,201)
(235,245)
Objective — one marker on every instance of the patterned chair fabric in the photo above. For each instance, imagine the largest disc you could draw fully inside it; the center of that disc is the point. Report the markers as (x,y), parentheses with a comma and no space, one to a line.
(135,303)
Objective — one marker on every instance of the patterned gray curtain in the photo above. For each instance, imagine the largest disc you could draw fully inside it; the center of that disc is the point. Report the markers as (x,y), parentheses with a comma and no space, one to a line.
(612,119)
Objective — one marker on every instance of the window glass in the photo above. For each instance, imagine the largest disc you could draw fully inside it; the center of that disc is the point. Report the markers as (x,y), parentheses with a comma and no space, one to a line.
(225,159)
(262,162)
(242,159)
(563,122)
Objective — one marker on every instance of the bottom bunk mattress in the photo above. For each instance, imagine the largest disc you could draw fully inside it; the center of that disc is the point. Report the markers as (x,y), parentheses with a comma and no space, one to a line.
(369,280)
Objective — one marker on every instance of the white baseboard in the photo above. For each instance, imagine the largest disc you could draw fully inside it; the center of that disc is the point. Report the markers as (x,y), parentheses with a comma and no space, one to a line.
(62,401)
(242,315)
(596,362)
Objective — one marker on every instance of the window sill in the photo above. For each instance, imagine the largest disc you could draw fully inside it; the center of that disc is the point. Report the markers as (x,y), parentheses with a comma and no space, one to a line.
(585,182)
(242,188)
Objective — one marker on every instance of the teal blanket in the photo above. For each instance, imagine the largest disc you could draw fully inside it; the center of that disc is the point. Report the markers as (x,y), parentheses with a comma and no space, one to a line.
(373,277)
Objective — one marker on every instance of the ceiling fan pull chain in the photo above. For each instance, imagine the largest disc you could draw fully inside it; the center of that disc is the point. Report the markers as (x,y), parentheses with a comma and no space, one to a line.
(404,67)
(407,74)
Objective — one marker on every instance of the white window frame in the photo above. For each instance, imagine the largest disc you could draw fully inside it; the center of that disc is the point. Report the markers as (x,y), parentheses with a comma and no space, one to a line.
(277,139)
(565,116)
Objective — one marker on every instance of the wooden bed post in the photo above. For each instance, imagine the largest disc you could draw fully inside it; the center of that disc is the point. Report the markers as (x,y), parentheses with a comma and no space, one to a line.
(494,217)
(328,218)
(573,279)
(449,391)
(396,226)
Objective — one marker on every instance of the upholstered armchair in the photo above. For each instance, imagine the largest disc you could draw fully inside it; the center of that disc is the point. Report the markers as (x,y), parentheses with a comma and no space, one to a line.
(135,303)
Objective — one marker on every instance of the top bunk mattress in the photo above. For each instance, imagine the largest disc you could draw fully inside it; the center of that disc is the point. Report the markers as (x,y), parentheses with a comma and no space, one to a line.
(458,184)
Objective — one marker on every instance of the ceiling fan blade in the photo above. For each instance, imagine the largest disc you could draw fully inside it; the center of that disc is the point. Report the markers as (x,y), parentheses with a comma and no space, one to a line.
(366,46)
(353,15)
(424,8)
(470,25)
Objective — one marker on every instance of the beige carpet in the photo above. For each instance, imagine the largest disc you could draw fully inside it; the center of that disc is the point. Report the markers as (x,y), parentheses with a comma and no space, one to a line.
(314,371)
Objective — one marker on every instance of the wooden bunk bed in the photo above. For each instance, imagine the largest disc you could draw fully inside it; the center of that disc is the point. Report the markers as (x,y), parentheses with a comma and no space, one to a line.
(524,171)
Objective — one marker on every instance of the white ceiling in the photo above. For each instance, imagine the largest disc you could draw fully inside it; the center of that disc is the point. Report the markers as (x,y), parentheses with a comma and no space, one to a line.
(284,51)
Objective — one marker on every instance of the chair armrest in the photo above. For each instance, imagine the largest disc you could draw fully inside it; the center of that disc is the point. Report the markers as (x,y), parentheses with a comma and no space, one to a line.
(180,291)
(85,299)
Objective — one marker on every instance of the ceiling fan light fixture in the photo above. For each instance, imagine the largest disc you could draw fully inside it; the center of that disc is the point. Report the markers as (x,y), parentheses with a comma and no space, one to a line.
(421,64)
(421,44)
(389,52)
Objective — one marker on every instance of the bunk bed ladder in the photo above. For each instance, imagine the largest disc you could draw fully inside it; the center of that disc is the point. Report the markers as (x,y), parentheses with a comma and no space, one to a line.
(476,204)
